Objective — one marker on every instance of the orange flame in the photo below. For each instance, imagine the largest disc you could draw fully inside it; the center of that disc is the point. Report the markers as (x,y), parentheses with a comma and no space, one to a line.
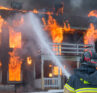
(5,8)
(24,11)
(50,75)
(43,20)
(14,38)
(67,27)
(56,32)
(2,22)
(35,11)
(14,67)
(29,60)
(93,13)
(91,34)
(0,64)
(56,71)
(14,42)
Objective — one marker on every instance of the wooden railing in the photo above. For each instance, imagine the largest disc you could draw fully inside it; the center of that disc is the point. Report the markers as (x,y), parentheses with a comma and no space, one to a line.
(51,83)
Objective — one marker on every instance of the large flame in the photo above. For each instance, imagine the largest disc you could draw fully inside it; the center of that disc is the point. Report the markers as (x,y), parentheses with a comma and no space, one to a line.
(14,67)
(56,32)
(14,42)
(91,34)
(14,39)
(2,22)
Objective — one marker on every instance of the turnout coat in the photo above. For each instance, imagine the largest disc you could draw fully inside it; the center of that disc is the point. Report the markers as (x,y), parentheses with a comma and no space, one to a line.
(84,80)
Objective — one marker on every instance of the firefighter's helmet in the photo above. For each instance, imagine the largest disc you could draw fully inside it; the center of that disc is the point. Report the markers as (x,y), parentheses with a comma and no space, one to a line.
(89,58)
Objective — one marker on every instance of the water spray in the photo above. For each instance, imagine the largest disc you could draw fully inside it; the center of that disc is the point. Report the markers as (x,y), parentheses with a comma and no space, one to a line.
(37,29)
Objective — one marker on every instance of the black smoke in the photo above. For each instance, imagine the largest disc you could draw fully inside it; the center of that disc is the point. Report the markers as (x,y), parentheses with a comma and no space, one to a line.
(73,7)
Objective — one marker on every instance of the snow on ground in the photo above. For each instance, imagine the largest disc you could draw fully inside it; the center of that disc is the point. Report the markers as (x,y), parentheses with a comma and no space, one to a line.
(49,91)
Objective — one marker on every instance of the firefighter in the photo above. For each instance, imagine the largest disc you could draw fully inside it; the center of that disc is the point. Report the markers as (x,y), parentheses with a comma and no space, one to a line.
(84,79)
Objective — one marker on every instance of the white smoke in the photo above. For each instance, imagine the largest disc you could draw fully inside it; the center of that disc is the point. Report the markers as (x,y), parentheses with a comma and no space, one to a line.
(5,3)
(76,3)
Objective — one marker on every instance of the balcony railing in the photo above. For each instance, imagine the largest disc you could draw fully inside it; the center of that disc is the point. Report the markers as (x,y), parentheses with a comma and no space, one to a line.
(69,48)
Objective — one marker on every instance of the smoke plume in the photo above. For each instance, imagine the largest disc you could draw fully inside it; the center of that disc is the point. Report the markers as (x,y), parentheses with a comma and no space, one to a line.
(29,4)
(76,3)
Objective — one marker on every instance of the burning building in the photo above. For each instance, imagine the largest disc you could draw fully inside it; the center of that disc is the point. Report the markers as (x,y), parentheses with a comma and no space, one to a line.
(18,59)
(13,66)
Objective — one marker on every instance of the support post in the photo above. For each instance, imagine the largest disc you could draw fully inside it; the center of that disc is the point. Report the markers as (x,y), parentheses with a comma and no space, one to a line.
(34,72)
(59,78)
(42,73)
(78,63)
